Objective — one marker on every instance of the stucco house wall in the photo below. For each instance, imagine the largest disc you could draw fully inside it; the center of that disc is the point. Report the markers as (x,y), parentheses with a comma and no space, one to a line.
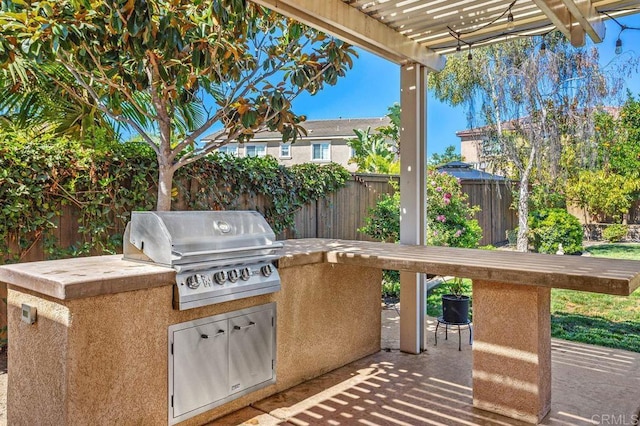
(329,136)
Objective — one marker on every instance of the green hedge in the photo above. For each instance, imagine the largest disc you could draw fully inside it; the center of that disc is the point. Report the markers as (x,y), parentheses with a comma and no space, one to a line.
(552,227)
(106,180)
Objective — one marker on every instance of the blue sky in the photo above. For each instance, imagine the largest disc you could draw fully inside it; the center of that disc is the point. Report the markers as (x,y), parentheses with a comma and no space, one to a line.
(374,84)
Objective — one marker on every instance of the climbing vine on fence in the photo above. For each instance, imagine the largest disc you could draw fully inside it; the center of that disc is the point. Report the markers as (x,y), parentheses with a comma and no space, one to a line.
(104,181)
(284,189)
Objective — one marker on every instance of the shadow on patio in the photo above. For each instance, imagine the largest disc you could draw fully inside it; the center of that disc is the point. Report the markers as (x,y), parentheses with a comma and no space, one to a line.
(591,385)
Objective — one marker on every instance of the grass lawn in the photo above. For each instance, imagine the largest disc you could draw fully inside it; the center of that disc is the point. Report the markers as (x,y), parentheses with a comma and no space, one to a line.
(599,319)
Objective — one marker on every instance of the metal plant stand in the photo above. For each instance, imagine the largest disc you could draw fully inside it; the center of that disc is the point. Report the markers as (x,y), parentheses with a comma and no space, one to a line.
(459,324)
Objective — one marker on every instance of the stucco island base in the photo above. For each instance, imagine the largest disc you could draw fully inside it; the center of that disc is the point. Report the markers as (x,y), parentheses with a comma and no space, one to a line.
(98,353)
(512,350)
(103,360)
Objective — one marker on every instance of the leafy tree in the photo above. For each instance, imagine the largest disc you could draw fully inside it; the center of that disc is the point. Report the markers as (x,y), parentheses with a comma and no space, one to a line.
(620,140)
(31,101)
(373,153)
(392,131)
(448,156)
(378,151)
(532,104)
(603,194)
(172,69)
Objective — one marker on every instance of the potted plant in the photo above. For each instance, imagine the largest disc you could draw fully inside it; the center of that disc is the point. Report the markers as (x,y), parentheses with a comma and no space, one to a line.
(455,305)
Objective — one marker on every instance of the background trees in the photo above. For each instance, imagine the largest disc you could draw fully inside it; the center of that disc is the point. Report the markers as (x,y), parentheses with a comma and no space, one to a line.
(170,70)
(447,156)
(608,184)
(533,104)
(378,151)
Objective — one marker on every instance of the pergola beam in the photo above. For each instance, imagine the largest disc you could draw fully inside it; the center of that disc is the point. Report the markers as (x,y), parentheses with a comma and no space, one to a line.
(349,24)
(574,19)
(559,15)
(589,19)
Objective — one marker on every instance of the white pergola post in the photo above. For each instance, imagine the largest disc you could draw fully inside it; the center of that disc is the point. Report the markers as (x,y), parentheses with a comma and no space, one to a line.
(413,138)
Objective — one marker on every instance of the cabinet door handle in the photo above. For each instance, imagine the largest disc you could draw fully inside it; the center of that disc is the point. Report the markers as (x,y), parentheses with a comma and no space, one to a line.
(206,336)
(242,327)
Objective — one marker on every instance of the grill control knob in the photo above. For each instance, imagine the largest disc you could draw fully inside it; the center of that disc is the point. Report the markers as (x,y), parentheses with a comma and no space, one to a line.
(220,277)
(245,274)
(266,270)
(233,275)
(194,281)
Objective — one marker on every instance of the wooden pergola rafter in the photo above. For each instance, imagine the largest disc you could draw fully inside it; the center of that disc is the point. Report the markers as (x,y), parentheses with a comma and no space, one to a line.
(422,31)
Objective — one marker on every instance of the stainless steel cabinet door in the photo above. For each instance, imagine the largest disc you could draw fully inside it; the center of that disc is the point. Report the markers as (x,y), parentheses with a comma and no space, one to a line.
(200,366)
(251,349)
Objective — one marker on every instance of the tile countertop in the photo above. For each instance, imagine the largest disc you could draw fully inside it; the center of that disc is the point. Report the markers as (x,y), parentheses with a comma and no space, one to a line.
(76,278)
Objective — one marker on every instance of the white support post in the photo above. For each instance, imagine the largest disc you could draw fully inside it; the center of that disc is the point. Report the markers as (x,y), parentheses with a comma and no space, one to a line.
(413,167)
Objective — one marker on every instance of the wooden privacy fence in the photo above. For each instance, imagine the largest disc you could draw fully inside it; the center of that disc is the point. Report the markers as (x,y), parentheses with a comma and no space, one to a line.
(339,215)
(496,216)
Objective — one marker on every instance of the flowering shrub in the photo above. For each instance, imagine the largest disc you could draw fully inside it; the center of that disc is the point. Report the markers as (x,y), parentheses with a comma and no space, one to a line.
(450,219)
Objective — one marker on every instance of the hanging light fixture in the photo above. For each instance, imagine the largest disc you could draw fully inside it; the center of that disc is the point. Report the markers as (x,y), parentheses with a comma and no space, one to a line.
(510,23)
(543,45)
(618,46)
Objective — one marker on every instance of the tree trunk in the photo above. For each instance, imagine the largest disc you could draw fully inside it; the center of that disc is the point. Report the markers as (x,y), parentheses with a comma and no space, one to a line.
(523,203)
(523,216)
(165,180)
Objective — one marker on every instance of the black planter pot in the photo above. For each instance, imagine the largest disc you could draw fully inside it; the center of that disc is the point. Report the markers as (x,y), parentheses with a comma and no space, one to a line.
(455,310)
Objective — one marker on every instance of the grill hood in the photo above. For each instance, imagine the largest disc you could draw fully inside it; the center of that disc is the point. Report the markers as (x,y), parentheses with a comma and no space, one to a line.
(181,238)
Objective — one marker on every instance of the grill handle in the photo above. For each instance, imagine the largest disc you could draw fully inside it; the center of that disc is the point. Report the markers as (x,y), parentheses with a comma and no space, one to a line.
(242,327)
(275,245)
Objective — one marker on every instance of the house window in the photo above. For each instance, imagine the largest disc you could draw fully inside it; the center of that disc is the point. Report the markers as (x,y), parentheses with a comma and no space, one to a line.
(320,152)
(490,147)
(256,150)
(231,149)
(285,150)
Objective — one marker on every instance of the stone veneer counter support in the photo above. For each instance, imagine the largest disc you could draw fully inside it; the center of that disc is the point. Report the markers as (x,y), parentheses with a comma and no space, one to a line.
(91,304)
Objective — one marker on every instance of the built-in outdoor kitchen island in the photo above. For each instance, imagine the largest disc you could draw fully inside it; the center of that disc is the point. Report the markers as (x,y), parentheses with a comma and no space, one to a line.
(98,351)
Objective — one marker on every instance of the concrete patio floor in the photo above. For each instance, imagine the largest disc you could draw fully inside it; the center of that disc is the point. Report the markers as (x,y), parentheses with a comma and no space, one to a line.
(591,385)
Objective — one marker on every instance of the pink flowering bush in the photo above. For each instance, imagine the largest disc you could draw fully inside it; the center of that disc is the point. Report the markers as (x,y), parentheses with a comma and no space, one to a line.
(450,219)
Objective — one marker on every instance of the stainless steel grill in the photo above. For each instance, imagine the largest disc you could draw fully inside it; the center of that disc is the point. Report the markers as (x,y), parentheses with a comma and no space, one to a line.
(218,255)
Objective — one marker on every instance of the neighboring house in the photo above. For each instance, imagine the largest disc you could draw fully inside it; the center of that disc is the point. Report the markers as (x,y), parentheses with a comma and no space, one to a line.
(326,141)
(478,148)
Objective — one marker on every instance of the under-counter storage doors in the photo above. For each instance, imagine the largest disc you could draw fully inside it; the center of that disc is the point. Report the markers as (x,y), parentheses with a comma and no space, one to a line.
(200,368)
(217,359)
(250,338)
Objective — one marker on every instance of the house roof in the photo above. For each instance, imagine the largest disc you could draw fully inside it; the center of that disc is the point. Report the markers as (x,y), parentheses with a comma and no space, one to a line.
(464,171)
(335,128)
